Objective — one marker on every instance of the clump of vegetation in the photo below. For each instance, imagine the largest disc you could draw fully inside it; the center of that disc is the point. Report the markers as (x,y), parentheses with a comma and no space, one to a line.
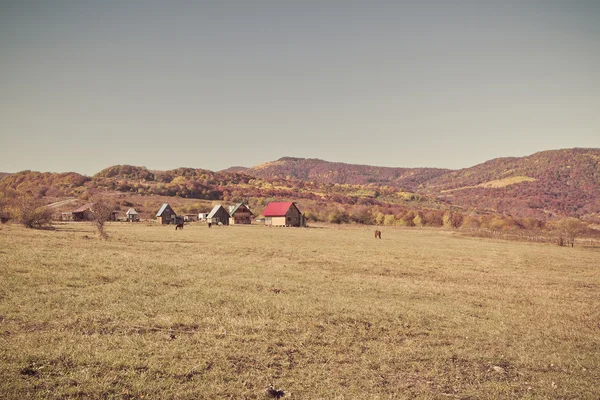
(102,211)
(567,230)
(31,212)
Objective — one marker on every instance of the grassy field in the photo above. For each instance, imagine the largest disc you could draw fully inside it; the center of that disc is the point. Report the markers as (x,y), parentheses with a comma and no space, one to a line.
(321,313)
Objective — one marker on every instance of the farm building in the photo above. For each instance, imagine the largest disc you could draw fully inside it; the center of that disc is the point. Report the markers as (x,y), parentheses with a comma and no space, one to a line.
(283,214)
(166,215)
(218,215)
(190,217)
(202,217)
(85,213)
(132,215)
(66,216)
(240,214)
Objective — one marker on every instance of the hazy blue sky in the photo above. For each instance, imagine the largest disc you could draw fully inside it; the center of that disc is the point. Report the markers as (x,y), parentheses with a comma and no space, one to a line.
(212,84)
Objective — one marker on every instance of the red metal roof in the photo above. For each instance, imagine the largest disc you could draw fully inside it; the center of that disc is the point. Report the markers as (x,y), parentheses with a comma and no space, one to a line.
(277,209)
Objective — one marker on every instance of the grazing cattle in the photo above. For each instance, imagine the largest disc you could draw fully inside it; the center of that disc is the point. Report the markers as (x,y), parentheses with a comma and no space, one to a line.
(377,234)
(179,226)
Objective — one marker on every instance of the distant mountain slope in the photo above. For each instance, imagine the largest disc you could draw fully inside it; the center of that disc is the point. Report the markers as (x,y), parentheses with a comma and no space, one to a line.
(3,174)
(43,183)
(546,184)
(563,182)
(320,171)
(236,169)
(554,182)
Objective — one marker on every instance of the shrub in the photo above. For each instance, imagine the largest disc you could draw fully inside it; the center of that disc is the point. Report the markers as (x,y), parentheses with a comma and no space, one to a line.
(31,212)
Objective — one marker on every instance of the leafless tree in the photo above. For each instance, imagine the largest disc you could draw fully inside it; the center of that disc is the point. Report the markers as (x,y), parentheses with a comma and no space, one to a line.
(31,212)
(102,211)
(567,230)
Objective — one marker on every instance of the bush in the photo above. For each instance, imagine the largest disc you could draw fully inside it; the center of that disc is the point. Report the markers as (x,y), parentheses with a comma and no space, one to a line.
(32,212)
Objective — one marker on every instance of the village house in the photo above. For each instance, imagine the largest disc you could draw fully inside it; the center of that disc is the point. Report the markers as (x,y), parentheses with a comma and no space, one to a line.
(85,213)
(218,215)
(202,217)
(283,214)
(240,215)
(132,215)
(166,215)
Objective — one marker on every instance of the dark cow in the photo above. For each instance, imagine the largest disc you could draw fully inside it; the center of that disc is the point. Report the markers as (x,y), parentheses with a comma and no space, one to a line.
(179,226)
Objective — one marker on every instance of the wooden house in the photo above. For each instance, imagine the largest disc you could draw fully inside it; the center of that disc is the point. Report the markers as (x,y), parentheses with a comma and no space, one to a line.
(83,213)
(283,214)
(166,215)
(218,215)
(86,213)
(132,215)
(240,214)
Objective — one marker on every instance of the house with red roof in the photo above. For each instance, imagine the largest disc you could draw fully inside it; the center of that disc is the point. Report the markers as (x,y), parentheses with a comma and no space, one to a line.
(283,214)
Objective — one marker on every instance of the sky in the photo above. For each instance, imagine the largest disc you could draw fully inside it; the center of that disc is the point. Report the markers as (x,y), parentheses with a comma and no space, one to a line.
(212,84)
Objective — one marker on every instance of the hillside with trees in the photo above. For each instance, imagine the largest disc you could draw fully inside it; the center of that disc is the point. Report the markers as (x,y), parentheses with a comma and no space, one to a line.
(320,171)
(500,193)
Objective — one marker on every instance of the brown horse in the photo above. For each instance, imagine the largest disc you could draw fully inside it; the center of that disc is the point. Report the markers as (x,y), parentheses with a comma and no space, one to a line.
(179,226)
(377,234)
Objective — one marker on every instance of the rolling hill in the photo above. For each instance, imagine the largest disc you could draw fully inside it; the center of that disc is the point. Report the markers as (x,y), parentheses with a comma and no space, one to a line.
(544,185)
(320,171)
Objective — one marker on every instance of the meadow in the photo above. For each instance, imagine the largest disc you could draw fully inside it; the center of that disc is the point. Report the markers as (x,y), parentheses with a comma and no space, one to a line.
(320,312)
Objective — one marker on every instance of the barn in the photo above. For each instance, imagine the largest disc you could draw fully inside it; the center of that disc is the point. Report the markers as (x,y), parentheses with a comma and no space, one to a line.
(83,213)
(166,215)
(240,215)
(86,213)
(283,214)
(218,215)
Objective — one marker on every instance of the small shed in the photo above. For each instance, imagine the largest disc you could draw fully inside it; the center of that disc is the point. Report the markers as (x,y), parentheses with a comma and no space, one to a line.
(218,215)
(240,214)
(66,216)
(166,215)
(190,217)
(202,217)
(283,214)
(132,215)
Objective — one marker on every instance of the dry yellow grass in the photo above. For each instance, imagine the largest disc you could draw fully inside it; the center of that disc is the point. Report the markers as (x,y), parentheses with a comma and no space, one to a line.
(497,183)
(322,313)
(504,182)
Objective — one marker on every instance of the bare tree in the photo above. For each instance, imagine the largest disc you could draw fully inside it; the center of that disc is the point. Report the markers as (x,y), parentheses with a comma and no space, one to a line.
(102,211)
(31,212)
(567,230)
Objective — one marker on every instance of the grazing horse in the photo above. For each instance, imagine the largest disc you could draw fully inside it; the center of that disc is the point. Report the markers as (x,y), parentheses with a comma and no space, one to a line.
(377,234)
(179,226)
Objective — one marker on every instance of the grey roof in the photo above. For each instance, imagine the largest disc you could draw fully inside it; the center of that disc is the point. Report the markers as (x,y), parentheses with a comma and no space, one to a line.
(214,211)
(162,209)
(233,209)
(83,208)
(131,211)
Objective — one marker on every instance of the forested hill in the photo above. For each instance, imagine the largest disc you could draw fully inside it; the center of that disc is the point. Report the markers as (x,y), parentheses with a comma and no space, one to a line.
(543,185)
(320,171)
(564,182)
(548,183)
